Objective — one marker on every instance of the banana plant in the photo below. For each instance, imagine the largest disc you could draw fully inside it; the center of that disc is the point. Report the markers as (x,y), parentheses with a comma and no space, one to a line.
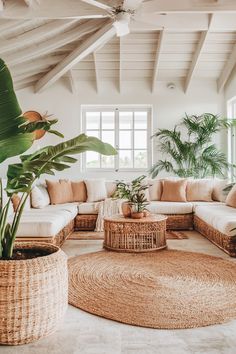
(16,137)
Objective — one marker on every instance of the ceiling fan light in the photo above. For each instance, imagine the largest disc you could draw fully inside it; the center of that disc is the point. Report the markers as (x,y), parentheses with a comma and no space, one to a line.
(122,24)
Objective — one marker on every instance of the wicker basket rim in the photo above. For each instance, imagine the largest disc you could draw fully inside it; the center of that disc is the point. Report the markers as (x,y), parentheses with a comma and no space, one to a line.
(55,251)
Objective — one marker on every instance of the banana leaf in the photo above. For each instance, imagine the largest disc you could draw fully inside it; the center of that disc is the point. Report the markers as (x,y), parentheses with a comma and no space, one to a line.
(16,134)
(50,159)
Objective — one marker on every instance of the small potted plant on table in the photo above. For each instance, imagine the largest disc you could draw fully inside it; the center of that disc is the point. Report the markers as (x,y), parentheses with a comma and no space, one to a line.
(134,194)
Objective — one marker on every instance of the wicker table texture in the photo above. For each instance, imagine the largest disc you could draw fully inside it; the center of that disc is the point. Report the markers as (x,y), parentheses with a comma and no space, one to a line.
(135,235)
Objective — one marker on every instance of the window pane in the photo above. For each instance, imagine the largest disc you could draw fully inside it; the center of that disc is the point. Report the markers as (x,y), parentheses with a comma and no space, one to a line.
(140,139)
(94,133)
(140,120)
(108,161)
(108,136)
(93,120)
(108,120)
(125,159)
(125,139)
(140,159)
(92,159)
(126,120)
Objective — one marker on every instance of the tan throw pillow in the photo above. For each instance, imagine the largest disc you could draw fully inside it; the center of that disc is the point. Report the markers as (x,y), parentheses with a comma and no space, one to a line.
(79,191)
(174,190)
(15,199)
(231,197)
(60,191)
(199,190)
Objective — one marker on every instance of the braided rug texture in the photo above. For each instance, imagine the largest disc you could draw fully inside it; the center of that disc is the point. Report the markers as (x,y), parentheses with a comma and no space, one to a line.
(167,289)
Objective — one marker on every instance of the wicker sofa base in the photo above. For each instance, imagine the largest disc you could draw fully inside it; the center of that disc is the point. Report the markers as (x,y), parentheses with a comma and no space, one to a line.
(219,239)
(56,240)
(179,222)
(87,222)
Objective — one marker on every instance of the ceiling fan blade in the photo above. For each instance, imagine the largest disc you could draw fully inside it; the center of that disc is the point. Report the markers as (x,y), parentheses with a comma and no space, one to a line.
(131,4)
(98,4)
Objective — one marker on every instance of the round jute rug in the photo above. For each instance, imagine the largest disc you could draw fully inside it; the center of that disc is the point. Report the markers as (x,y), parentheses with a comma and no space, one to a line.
(167,289)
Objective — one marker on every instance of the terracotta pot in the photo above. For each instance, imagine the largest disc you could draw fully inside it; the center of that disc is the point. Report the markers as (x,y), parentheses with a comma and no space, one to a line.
(33,116)
(126,209)
(146,213)
(34,294)
(137,215)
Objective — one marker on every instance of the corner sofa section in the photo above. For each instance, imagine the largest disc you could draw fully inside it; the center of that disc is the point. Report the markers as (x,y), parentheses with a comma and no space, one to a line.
(54,223)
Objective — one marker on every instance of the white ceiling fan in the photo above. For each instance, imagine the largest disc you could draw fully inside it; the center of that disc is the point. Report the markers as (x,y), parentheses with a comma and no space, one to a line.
(121,14)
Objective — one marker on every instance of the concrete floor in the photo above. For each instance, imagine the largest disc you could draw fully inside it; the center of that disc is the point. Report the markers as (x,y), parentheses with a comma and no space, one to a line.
(82,333)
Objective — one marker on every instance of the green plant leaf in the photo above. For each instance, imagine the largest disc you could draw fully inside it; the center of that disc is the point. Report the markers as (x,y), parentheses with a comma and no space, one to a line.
(50,159)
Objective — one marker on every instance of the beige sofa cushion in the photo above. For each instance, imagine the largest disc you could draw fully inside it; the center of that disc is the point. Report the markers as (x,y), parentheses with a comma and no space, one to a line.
(88,208)
(199,189)
(39,197)
(159,207)
(200,203)
(79,191)
(221,217)
(96,190)
(174,190)
(231,197)
(110,187)
(155,189)
(60,191)
(46,222)
(218,185)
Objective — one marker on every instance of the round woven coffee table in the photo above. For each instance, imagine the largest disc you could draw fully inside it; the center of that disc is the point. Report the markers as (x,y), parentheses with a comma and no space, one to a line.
(135,235)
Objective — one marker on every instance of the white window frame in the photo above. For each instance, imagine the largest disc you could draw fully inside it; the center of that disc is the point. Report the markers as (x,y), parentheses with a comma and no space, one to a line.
(231,145)
(117,109)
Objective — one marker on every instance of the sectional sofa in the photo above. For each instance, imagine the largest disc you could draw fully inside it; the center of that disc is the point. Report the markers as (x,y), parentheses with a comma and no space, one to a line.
(212,218)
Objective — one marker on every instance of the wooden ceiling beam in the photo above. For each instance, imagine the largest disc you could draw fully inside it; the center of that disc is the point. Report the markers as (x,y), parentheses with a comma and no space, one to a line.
(225,74)
(160,42)
(53,9)
(196,56)
(95,41)
(183,23)
(72,81)
(50,29)
(96,72)
(51,44)
(188,6)
(39,64)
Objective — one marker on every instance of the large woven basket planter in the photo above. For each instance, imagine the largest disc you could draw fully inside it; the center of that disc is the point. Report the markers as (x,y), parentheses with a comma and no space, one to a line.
(33,295)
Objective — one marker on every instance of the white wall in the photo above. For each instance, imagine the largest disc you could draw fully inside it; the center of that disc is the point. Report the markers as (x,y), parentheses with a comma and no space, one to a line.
(168,106)
(230,89)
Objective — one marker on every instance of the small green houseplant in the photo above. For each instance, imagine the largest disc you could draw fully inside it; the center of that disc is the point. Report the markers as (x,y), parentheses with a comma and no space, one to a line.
(188,148)
(28,286)
(134,194)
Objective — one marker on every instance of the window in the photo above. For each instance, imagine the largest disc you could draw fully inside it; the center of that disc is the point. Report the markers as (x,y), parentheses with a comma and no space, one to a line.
(127,129)
(232,135)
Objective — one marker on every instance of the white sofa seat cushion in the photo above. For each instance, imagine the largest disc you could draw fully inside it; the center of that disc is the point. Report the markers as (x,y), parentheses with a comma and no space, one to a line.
(88,208)
(157,207)
(221,217)
(46,222)
(198,203)
(71,208)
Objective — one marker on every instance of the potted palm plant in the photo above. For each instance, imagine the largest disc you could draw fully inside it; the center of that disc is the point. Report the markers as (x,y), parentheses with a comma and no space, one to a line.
(188,148)
(33,277)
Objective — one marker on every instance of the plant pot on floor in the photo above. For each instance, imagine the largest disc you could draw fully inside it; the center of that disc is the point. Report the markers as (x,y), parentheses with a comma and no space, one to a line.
(33,294)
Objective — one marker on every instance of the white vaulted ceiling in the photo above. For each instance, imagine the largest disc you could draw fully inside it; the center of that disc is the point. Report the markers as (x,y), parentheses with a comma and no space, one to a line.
(170,40)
